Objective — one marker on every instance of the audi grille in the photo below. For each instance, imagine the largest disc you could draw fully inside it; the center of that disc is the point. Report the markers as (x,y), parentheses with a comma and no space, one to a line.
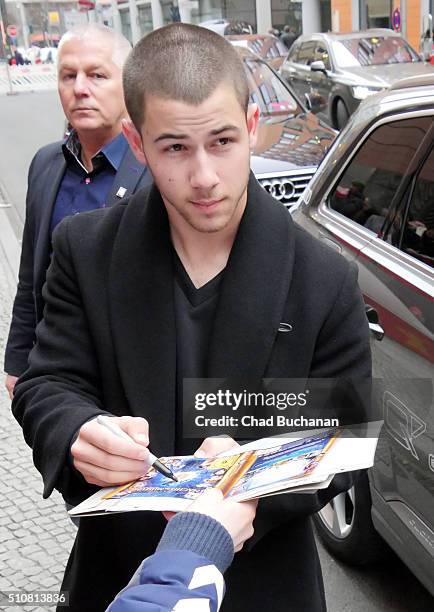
(287,187)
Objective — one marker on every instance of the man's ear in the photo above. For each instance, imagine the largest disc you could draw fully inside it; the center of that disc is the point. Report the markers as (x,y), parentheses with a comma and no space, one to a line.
(134,140)
(253,114)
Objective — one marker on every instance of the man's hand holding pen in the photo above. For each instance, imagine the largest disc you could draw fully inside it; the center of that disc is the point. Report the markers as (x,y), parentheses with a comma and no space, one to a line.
(112,451)
(105,459)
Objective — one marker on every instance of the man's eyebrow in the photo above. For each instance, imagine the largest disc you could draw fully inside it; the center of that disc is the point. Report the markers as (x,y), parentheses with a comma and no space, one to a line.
(90,68)
(224,128)
(216,132)
(169,136)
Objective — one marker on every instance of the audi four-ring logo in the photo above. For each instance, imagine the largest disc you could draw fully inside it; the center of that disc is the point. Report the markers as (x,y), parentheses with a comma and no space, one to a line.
(281,190)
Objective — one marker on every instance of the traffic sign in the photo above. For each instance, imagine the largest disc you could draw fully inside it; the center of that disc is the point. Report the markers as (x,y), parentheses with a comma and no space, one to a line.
(396,20)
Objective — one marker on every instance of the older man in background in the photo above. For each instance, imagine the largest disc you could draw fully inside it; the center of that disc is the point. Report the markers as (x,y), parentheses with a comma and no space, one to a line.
(93,168)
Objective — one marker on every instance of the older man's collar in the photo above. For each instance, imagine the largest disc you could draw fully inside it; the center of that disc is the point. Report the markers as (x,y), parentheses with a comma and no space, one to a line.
(114,151)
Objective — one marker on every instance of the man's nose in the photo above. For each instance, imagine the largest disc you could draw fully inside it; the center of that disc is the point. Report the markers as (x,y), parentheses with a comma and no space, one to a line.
(203,174)
(81,85)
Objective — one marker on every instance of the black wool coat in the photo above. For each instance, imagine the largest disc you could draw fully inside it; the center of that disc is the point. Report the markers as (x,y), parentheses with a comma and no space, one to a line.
(107,344)
(45,176)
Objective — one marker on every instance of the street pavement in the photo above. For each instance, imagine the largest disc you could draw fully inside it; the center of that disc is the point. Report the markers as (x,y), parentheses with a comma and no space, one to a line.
(35,534)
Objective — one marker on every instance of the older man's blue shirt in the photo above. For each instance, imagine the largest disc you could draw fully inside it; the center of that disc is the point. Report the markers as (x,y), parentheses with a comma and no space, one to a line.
(80,190)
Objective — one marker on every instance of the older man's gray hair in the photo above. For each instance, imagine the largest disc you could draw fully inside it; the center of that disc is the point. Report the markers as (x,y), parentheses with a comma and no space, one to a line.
(120,45)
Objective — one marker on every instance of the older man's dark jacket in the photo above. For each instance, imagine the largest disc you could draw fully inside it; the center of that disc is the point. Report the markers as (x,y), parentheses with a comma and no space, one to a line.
(107,343)
(45,175)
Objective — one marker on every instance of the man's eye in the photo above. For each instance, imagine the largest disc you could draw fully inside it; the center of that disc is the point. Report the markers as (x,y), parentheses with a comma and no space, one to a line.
(176,147)
(68,77)
(224,141)
(98,75)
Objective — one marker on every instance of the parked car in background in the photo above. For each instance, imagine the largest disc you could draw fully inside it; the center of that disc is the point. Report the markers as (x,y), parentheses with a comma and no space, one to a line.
(223,26)
(291,140)
(344,69)
(268,47)
(372,200)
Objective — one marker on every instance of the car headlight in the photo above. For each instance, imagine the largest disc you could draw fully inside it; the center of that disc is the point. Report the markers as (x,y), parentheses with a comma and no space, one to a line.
(360,92)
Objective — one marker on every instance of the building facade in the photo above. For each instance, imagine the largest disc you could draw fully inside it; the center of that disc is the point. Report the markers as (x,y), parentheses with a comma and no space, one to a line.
(137,17)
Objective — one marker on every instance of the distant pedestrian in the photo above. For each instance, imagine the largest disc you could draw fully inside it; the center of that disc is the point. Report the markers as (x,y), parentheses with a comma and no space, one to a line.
(288,36)
(274,32)
(19,59)
(93,168)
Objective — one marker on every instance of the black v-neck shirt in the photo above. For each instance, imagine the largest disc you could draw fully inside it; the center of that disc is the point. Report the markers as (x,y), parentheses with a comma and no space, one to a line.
(194,318)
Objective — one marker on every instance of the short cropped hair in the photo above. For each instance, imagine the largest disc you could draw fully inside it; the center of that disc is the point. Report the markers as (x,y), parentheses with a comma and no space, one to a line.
(181,62)
(120,45)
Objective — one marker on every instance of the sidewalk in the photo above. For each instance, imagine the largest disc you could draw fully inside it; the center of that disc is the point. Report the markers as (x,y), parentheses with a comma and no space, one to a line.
(36,534)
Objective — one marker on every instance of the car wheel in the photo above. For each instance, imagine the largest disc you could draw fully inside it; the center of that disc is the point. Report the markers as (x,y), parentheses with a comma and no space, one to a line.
(346,529)
(341,114)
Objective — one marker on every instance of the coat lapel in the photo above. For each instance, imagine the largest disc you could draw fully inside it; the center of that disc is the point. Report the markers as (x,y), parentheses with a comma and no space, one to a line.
(249,312)
(50,181)
(254,290)
(127,178)
(142,314)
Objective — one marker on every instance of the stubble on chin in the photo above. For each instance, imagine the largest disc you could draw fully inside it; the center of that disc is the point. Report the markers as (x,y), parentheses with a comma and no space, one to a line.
(200,223)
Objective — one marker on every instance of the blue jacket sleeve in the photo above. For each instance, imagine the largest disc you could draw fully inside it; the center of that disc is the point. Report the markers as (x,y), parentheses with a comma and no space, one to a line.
(185,573)
(178,580)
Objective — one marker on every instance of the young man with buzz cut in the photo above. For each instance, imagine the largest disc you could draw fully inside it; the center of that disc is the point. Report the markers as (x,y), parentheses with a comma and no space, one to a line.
(191,279)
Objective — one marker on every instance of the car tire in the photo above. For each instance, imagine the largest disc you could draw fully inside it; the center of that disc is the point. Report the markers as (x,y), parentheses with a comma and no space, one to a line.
(346,529)
(341,114)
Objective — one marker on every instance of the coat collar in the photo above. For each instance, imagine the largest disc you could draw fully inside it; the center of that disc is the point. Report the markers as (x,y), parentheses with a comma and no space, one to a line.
(254,289)
(142,313)
(50,180)
(127,178)
(253,294)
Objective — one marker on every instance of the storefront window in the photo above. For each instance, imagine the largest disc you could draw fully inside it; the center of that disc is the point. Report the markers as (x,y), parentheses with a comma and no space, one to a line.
(170,11)
(240,10)
(326,15)
(145,19)
(286,12)
(375,14)
(197,11)
(206,10)
(126,23)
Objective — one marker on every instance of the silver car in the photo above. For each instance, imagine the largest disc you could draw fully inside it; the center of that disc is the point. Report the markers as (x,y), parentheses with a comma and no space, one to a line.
(340,70)
(291,140)
(372,200)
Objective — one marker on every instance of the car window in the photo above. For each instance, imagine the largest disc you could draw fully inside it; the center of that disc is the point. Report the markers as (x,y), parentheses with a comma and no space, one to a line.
(281,48)
(256,46)
(306,53)
(322,54)
(292,55)
(268,91)
(366,189)
(373,51)
(417,234)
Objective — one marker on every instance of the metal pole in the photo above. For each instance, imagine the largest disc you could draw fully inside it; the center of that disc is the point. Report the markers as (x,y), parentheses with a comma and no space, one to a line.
(11,92)
(134,19)
(24,24)
(157,14)
(4,24)
(117,24)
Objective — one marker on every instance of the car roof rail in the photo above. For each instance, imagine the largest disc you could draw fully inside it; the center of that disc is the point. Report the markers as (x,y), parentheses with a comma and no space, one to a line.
(418,80)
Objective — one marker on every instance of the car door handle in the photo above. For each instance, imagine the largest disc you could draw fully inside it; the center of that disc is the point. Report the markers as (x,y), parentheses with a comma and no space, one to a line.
(374,322)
